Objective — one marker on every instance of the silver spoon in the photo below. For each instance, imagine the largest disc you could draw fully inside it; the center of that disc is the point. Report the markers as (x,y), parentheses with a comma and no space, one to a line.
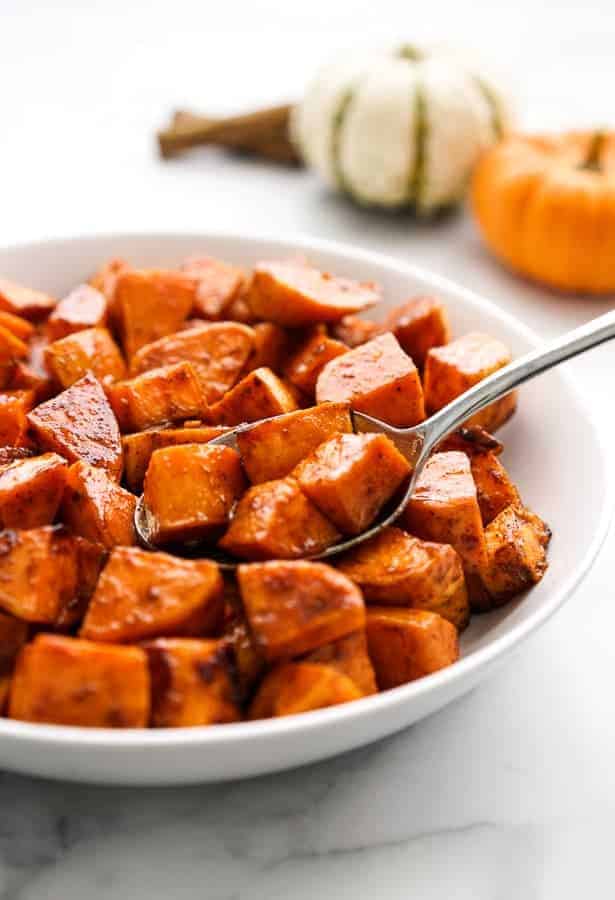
(418,442)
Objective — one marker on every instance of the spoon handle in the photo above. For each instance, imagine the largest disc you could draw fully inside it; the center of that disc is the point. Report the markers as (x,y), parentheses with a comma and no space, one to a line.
(521,370)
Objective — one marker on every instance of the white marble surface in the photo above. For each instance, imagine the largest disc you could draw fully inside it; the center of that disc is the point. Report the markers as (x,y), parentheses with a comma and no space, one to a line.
(510,792)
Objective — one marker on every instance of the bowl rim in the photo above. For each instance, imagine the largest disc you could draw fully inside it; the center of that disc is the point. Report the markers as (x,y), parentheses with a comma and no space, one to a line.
(59,736)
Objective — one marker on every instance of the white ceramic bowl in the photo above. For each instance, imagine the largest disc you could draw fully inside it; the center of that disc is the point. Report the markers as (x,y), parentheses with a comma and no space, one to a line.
(552,450)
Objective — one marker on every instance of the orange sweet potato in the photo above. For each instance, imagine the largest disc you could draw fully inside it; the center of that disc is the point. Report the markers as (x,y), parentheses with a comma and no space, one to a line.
(191,682)
(348,655)
(31,374)
(88,350)
(10,455)
(394,568)
(516,557)
(271,347)
(138,448)
(105,281)
(295,607)
(293,688)
(420,324)
(74,682)
(150,304)
(494,488)
(97,508)
(354,331)
(190,491)
(17,325)
(258,395)
(84,307)
(376,378)
(14,408)
(168,394)
(12,349)
(350,477)
(249,662)
(306,364)
(218,284)
(142,595)
(13,635)
(90,560)
(24,301)
(31,490)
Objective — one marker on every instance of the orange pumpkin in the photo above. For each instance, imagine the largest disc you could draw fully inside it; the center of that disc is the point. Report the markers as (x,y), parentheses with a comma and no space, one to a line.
(546,207)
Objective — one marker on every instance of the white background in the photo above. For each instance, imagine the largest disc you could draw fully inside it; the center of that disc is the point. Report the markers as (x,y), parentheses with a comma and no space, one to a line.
(509,793)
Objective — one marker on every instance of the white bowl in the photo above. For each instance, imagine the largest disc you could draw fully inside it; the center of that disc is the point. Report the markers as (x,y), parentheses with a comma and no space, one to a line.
(551,448)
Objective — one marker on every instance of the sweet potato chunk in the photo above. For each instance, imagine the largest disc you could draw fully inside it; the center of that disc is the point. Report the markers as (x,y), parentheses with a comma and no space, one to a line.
(38,573)
(349,656)
(31,490)
(271,346)
(455,368)
(151,303)
(90,560)
(74,682)
(24,301)
(191,683)
(248,660)
(190,491)
(14,408)
(494,488)
(293,688)
(276,520)
(142,595)
(18,326)
(295,607)
(88,350)
(13,635)
(377,379)
(31,374)
(79,424)
(12,348)
(516,556)
(259,395)
(294,294)
(218,284)
(350,477)
(406,644)
(272,449)
(84,307)
(105,281)
(304,367)
(394,568)
(218,352)
(420,324)
(353,331)
(138,448)
(168,394)
(97,508)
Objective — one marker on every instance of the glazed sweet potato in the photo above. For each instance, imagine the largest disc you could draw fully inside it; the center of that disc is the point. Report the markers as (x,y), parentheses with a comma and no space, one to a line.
(494,488)
(218,284)
(306,364)
(420,324)
(151,303)
(17,325)
(192,683)
(143,595)
(31,374)
(295,294)
(79,425)
(378,379)
(14,408)
(87,350)
(272,344)
(258,395)
(276,520)
(272,449)
(84,307)
(90,559)
(13,635)
(164,395)
(516,556)
(455,368)
(12,349)
(31,491)
(349,656)
(190,491)
(350,477)
(394,568)
(74,682)
(249,663)
(24,301)
(293,688)
(354,331)
(105,281)
(97,508)
(295,607)
(138,448)
(218,351)
(405,644)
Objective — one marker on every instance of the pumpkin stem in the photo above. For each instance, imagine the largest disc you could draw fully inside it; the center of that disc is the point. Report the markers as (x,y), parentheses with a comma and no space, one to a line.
(594,153)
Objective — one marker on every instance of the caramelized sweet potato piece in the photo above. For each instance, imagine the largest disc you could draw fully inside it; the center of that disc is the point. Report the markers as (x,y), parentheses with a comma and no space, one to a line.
(31,374)
(218,352)
(295,607)
(79,424)
(349,656)
(150,304)
(350,477)
(406,644)
(271,347)
(258,395)
(31,490)
(377,379)
(14,408)
(84,307)
(304,366)
(394,568)
(13,635)
(294,294)
(190,491)
(353,331)
(74,682)
(272,449)
(293,688)
(249,662)
(138,448)
(494,488)
(105,281)
(455,368)
(168,394)
(24,301)
(142,595)
(90,560)
(97,508)
(88,350)
(276,520)
(18,326)
(516,557)
(12,348)
(191,683)
(420,324)
(218,284)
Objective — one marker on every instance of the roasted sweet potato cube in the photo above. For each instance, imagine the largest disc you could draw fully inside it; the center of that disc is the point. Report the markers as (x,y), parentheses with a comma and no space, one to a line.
(138,448)
(168,394)
(271,347)
(14,408)
(38,573)
(97,508)
(420,324)
(190,491)
(494,488)
(191,682)
(150,304)
(31,490)
(17,325)
(292,688)
(349,656)
(142,595)
(272,449)
(12,349)
(304,366)
(258,395)
(105,281)
(13,635)
(295,607)
(218,351)
(295,294)
(218,284)
(455,368)
(24,301)
(378,379)
(275,520)
(516,557)
(74,682)
(350,477)
(79,424)
(83,308)
(406,644)
(354,331)
(31,374)
(90,560)
(89,350)
(248,660)
(394,568)
(471,441)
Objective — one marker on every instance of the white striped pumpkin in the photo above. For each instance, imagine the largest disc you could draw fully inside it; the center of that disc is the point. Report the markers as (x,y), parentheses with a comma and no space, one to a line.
(399,128)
